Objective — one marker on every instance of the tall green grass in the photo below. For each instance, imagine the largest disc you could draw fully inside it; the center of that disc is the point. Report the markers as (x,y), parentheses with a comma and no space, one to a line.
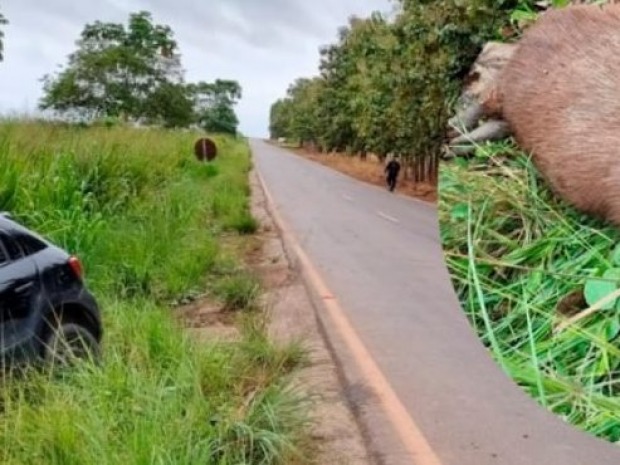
(147,220)
(514,252)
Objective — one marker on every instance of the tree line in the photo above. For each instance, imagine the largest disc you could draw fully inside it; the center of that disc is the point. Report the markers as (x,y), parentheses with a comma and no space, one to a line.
(389,85)
(133,73)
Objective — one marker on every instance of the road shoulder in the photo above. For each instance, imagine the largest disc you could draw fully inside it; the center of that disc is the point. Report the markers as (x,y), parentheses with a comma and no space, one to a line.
(336,433)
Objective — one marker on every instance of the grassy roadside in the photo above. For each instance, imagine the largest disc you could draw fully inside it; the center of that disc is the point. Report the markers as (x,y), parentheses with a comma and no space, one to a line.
(519,260)
(147,221)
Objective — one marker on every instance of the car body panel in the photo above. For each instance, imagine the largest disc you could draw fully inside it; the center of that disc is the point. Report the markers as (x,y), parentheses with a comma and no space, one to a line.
(36,284)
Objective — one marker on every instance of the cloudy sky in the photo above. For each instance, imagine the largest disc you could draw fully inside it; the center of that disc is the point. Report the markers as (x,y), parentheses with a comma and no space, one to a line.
(264,44)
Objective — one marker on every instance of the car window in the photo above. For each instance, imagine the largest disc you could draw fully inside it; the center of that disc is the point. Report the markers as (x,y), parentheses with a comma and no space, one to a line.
(4,256)
(29,244)
(13,250)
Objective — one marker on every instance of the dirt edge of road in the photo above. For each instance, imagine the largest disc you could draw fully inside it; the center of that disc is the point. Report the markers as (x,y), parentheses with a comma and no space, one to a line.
(369,171)
(336,433)
(365,421)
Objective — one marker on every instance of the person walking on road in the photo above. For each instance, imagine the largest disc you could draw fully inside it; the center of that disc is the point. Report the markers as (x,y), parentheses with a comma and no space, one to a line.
(392,170)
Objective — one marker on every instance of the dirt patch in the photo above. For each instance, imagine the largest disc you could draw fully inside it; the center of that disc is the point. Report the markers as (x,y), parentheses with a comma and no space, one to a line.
(335,434)
(205,317)
(370,171)
(208,321)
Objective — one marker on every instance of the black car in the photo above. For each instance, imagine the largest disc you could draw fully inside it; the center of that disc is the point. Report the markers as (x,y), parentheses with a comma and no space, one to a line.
(46,311)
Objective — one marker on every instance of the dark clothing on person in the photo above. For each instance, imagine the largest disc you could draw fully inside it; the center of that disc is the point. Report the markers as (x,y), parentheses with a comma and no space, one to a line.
(392,169)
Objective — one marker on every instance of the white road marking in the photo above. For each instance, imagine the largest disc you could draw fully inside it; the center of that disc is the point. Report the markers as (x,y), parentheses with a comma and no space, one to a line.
(388,217)
(346,197)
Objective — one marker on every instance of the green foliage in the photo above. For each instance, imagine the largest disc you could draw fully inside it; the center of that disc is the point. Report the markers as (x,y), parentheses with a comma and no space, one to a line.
(238,292)
(597,289)
(296,116)
(134,72)
(138,209)
(279,117)
(389,86)
(115,70)
(530,255)
(244,224)
(172,104)
(214,105)
(221,92)
(220,119)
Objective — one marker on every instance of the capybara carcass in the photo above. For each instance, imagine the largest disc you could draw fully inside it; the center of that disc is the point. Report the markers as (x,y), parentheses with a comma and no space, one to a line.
(560,95)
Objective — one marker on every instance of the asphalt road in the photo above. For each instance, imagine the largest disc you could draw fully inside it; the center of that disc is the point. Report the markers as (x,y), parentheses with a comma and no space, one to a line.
(381,255)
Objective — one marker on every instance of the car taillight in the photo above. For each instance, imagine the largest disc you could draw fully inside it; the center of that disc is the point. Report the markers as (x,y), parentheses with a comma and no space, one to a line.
(76,266)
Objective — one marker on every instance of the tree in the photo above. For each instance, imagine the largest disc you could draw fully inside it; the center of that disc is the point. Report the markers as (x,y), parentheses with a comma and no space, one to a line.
(214,105)
(297,116)
(372,44)
(3,22)
(389,85)
(279,119)
(438,42)
(220,119)
(303,122)
(337,66)
(116,70)
(171,104)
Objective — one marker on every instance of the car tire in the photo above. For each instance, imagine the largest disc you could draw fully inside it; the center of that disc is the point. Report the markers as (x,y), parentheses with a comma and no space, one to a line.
(69,343)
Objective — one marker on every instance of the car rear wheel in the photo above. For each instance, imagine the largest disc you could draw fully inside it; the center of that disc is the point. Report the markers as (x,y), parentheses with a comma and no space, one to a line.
(69,343)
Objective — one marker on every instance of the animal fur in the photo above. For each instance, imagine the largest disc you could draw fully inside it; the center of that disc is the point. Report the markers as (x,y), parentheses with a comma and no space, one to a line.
(463,127)
(560,95)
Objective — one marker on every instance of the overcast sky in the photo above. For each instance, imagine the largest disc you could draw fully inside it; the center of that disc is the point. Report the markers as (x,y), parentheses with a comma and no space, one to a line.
(264,44)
